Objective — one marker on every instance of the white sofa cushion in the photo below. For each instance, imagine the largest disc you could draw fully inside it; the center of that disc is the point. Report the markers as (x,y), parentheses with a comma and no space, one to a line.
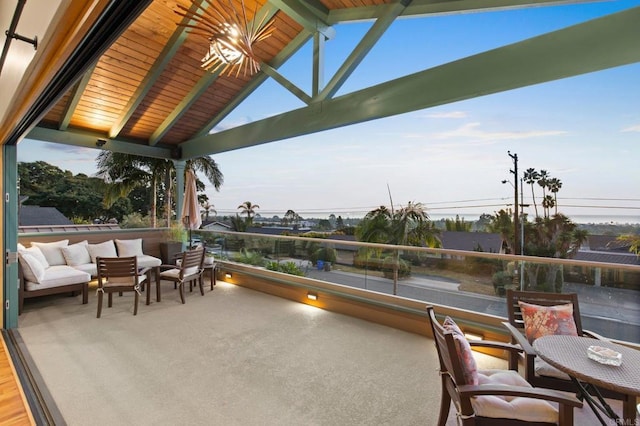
(36,253)
(52,251)
(146,261)
(89,268)
(105,249)
(127,248)
(76,254)
(32,269)
(509,407)
(59,275)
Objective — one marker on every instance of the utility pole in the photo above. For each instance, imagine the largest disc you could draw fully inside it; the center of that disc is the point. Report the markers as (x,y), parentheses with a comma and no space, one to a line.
(516,234)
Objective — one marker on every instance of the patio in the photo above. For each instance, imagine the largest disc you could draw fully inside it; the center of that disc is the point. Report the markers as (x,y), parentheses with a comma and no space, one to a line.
(233,357)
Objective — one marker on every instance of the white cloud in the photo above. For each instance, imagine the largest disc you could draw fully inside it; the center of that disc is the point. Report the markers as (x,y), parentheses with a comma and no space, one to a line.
(634,128)
(448,114)
(473,131)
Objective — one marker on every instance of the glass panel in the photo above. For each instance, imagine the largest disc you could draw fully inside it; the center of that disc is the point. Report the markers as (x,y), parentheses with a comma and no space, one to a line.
(609,296)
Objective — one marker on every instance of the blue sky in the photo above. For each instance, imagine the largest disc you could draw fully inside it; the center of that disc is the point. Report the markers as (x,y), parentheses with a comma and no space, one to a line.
(584,131)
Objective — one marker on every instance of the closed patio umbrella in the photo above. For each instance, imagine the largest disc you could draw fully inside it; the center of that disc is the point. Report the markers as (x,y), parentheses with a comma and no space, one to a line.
(190,207)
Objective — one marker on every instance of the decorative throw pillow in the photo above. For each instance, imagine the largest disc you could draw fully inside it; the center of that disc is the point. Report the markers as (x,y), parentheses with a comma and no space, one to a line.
(31,267)
(52,251)
(106,249)
(128,248)
(37,255)
(469,367)
(545,320)
(77,254)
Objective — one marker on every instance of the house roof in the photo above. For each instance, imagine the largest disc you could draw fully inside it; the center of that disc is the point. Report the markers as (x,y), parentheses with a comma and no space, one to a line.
(36,215)
(471,241)
(127,77)
(607,243)
(608,257)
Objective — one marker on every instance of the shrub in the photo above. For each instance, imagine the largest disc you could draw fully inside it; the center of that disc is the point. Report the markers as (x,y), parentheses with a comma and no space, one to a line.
(285,267)
(250,257)
(501,279)
(326,254)
(404,267)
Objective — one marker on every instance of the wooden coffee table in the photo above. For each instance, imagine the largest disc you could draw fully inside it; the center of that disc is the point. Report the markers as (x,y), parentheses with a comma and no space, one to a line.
(569,354)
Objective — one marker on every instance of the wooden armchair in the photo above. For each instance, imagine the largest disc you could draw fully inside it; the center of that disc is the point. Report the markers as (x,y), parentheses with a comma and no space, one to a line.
(189,270)
(119,274)
(490,397)
(536,371)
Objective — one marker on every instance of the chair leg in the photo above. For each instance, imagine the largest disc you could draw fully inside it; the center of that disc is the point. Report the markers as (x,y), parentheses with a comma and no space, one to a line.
(181,288)
(201,285)
(135,303)
(99,303)
(110,300)
(445,405)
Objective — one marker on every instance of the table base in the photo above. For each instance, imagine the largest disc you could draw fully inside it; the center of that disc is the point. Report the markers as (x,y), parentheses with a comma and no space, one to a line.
(598,404)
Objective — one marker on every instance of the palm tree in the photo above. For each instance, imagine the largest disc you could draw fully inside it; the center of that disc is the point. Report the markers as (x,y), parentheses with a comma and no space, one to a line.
(409,225)
(249,209)
(547,203)
(531,176)
(125,172)
(554,185)
(207,209)
(543,181)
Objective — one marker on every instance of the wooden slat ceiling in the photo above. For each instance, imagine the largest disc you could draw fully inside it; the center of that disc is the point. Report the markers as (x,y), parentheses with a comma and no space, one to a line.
(149,88)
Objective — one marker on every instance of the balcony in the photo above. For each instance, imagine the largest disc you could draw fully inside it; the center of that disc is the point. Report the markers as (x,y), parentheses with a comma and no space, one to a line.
(357,354)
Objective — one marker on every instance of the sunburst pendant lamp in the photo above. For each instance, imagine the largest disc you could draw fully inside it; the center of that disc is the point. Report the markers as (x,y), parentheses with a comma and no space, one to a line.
(230,35)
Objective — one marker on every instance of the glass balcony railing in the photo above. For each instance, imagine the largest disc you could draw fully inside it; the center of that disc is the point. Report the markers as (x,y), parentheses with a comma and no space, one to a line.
(609,294)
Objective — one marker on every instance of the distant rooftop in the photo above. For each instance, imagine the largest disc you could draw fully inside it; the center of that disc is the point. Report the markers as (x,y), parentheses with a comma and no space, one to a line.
(36,215)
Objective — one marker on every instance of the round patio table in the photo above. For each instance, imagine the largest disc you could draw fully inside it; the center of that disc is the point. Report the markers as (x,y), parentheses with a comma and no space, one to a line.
(569,354)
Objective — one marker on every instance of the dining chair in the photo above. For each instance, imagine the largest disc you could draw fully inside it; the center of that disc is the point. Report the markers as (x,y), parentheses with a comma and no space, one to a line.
(117,275)
(490,397)
(545,314)
(188,270)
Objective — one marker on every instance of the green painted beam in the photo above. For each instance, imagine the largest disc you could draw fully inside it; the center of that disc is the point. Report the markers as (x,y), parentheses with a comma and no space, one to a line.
(362,49)
(595,45)
(281,58)
(75,99)
(284,82)
(89,139)
(173,44)
(311,18)
(433,7)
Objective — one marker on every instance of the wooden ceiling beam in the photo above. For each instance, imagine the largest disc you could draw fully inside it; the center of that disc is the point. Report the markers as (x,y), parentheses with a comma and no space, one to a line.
(171,48)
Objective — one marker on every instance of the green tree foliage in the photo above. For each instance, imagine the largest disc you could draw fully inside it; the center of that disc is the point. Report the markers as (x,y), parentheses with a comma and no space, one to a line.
(633,241)
(408,225)
(126,173)
(77,197)
(249,209)
(458,225)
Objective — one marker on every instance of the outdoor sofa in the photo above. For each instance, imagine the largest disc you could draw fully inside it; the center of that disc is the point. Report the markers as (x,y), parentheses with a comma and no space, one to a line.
(59,267)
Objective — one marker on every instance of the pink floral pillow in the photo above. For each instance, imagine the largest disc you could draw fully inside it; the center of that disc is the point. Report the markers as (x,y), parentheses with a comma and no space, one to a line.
(469,367)
(545,320)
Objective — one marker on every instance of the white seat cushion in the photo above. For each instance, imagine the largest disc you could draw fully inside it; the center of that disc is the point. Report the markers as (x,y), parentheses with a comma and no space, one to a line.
(175,273)
(120,281)
(59,275)
(146,261)
(543,368)
(89,268)
(506,407)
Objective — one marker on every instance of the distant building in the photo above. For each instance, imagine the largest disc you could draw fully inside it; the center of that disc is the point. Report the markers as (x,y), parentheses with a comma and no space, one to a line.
(36,215)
